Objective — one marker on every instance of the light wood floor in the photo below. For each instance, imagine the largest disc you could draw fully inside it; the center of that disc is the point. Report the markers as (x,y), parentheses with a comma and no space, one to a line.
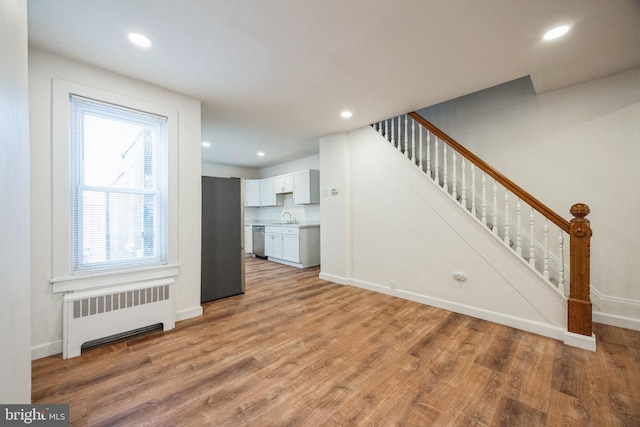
(299,351)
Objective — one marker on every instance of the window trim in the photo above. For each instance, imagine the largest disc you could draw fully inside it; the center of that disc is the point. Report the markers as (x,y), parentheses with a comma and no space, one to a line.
(63,279)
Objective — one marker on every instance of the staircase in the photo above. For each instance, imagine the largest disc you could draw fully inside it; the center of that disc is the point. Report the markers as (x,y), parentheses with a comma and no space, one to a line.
(534,234)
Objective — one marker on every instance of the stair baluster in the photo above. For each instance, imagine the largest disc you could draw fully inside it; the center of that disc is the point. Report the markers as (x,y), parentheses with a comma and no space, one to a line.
(532,243)
(494,226)
(519,229)
(393,132)
(545,259)
(420,155)
(561,262)
(436,178)
(406,136)
(398,134)
(429,153)
(454,177)
(413,141)
(474,211)
(484,199)
(507,240)
(463,201)
(445,174)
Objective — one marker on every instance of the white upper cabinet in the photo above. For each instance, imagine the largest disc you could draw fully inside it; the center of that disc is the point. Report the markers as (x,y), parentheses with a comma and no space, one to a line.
(306,187)
(267,194)
(252,192)
(283,183)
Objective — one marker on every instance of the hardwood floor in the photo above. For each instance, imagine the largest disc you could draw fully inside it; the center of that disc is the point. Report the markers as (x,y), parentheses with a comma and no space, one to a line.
(298,351)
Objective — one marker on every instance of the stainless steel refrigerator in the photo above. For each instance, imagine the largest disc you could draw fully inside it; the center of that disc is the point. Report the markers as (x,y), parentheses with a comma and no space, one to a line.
(222,238)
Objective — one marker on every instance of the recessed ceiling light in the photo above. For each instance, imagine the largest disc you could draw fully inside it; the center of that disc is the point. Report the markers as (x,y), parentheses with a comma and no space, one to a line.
(206,144)
(140,39)
(556,32)
(260,153)
(346,114)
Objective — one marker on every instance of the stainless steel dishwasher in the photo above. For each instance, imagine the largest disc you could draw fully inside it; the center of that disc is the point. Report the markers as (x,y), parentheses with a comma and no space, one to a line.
(258,240)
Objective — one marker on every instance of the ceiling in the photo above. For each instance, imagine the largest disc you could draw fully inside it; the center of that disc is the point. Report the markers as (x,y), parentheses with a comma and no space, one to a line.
(274,75)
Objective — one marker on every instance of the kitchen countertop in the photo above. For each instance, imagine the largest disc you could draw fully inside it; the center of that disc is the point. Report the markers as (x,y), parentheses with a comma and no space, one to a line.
(300,224)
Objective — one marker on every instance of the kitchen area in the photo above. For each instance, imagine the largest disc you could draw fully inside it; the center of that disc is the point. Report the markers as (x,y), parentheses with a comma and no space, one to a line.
(275,218)
(282,218)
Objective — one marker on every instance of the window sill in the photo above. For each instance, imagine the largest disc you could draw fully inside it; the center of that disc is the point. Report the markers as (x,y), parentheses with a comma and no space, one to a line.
(102,280)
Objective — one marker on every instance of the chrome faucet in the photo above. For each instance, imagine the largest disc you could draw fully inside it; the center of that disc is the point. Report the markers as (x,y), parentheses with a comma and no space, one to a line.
(289,213)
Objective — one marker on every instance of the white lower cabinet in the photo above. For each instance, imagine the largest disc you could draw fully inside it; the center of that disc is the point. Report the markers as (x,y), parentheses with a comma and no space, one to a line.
(273,242)
(248,239)
(290,244)
(298,247)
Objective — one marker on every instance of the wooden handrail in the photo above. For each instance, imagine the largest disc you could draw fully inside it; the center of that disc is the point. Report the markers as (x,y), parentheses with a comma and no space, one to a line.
(506,182)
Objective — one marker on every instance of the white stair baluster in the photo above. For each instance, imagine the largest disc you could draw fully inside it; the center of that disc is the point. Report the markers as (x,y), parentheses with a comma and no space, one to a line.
(445,163)
(484,199)
(518,226)
(545,265)
(436,178)
(406,136)
(420,152)
(428,153)
(495,209)
(413,141)
(393,132)
(561,262)
(398,134)
(380,131)
(532,244)
(474,212)
(454,178)
(463,201)
(386,129)
(507,240)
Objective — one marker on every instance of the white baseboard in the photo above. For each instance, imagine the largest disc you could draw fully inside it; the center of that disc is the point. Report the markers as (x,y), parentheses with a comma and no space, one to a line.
(335,279)
(188,313)
(45,350)
(544,329)
(614,311)
(615,320)
(581,341)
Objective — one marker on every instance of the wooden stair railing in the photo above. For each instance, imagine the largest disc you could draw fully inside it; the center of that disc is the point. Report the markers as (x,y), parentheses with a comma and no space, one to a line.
(579,318)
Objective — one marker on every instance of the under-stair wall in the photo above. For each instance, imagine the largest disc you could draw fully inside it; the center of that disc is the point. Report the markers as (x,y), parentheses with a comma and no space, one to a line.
(404,236)
(564,146)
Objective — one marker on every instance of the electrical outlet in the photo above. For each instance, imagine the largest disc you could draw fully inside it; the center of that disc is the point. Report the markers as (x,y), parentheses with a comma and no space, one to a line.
(459,277)
(392,284)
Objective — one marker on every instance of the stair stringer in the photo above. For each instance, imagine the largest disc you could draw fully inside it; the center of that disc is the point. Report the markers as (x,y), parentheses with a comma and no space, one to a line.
(422,237)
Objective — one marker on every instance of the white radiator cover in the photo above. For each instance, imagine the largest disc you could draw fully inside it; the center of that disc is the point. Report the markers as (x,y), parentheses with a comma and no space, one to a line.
(99,313)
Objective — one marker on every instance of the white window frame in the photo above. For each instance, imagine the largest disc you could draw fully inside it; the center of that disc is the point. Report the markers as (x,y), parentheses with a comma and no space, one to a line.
(63,279)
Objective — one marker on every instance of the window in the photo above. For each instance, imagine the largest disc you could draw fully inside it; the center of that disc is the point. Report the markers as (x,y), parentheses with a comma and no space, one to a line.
(118,177)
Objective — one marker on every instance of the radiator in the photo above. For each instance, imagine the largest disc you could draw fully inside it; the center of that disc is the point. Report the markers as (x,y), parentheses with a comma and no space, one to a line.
(100,313)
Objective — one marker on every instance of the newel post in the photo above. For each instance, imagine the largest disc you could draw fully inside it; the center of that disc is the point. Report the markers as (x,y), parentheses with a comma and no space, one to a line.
(579,304)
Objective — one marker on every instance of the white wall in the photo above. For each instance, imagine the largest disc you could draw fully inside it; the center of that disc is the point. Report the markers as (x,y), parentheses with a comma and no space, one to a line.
(578,144)
(335,234)
(15,330)
(310,162)
(47,307)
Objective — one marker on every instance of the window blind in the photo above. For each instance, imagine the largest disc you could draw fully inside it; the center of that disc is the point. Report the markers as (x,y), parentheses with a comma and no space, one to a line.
(118,162)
